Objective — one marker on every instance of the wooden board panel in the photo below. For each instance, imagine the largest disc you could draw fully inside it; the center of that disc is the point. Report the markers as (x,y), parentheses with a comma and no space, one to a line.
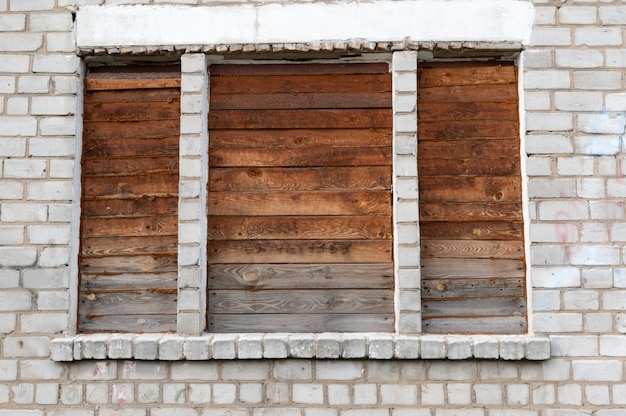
(289,276)
(472,110)
(296,301)
(451,268)
(300,179)
(300,69)
(468,129)
(128,96)
(128,227)
(132,111)
(129,281)
(300,119)
(301,323)
(474,307)
(121,84)
(476,325)
(303,139)
(475,230)
(300,203)
(502,166)
(127,323)
(318,84)
(433,75)
(467,149)
(156,129)
(299,251)
(128,302)
(130,147)
(472,93)
(130,186)
(125,264)
(282,228)
(300,101)
(479,211)
(133,165)
(472,288)
(137,207)
(470,189)
(131,246)
(332,156)
(473,249)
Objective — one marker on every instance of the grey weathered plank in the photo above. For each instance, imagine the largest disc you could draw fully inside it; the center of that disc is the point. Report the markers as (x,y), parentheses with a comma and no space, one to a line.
(482,325)
(474,307)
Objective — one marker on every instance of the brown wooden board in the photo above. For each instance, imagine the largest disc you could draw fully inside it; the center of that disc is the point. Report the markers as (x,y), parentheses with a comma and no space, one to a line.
(497,306)
(312,276)
(476,325)
(144,129)
(129,281)
(131,166)
(128,227)
(116,246)
(301,100)
(502,166)
(473,249)
(453,268)
(472,288)
(455,111)
(467,149)
(145,206)
(299,69)
(474,230)
(469,189)
(126,264)
(121,84)
(128,302)
(130,186)
(473,93)
(468,129)
(132,110)
(474,73)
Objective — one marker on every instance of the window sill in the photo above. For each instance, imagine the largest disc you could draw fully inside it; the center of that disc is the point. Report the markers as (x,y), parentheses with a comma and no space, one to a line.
(308,346)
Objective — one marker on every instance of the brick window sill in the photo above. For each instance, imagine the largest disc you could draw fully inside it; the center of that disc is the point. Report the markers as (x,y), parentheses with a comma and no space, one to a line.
(376,346)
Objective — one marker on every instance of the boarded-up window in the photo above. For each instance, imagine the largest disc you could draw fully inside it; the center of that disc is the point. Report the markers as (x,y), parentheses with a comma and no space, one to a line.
(300,225)
(129,234)
(470,192)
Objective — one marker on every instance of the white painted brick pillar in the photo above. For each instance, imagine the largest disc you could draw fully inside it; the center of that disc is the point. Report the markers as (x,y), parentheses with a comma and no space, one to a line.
(405,193)
(192,195)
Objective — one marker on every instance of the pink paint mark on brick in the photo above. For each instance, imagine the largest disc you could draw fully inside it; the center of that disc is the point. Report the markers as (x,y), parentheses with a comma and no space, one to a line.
(99,369)
(128,369)
(119,394)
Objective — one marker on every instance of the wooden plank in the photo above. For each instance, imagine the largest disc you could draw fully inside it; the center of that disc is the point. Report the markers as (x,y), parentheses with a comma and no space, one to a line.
(300,179)
(451,268)
(93,84)
(467,149)
(128,96)
(475,307)
(299,251)
(135,71)
(283,228)
(130,147)
(132,246)
(473,288)
(295,301)
(125,302)
(135,165)
(127,227)
(301,119)
(130,186)
(319,83)
(471,74)
(471,110)
(300,69)
(476,230)
(503,166)
(129,281)
(322,157)
(129,264)
(478,211)
(156,129)
(303,276)
(306,139)
(473,249)
(470,189)
(135,324)
(470,93)
(145,206)
(468,129)
(300,203)
(301,323)
(132,111)
(479,325)
(300,101)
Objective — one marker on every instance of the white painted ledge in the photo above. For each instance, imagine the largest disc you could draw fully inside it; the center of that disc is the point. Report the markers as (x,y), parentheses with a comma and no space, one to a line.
(383,20)
(376,346)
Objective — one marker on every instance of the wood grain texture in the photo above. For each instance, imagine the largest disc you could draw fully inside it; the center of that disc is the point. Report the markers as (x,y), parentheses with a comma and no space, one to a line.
(282,101)
(302,323)
(308,69)
(474,307)
(475,230)
(453,268)
(476,325)
(129,281)
(135,324)
(472,288)
(473,249)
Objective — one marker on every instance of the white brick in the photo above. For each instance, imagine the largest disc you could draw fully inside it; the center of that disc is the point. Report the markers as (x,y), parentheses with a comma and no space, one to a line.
(12,147)
(49,191)
(20,42)
(570,394)
(590,255)
(597,145)
(33,84)
(64,84)
(47,393)
(594,370)
(598,395)
(598,36)
(581,15)
(619,393)
(23,212)
(579,58)
(60,42)
(48,323)
(614,300)
(14,64)
(607,166)
(13,234)
(24,168)
(40,369)
(549,122)
(537,100)
(17,256)
(17,106)
(578,101)
(24,5)
(62,169)
(57,126)
(459,393)
(616,188)
(613,345)
(12,22)
(537,58)
(563,210)
(26,347)
(575,166)
(616,58)
(53,257)
(558,322)
(7,84)
(65,64)
(45,278)
(548,144)
(544,395)
(602,123)
(51,147)
(581,300)
(394,394)
(308,393)
(545,15)
(597,80)
(52,22)
(607,210)
(9,279)
(52,301)
(598,322)
(548,255)
(594,233)
(11,300)
(543,80)
(546,300)
(18,126)
(550,37)
(589,188)
(58,106)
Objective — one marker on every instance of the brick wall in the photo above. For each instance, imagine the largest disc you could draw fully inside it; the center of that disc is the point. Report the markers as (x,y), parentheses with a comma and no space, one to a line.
(575,100)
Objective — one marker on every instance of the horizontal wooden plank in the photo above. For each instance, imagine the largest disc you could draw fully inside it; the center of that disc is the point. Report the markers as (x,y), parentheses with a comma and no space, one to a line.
(451,268)
(301,119)
(301,323)
(470,93)
(468,149)
(129,227)
(304,139)
(299,251)
(146,206)
(130,186)
(503,166)
(480,325)
(467,129)
(470,189)
(303,276)
(125,302)
(132,246)
(300,101)
(130,147)
(475,230)
(135,71)
(474,307)
(478,211)
(319,156)
(300,69)
(156,129)
(132,111)
(92,84)
(301,179)
(300,203)
(325,83)
(128,96)
(129,264)
(473,288)
(473,249)
(282,228)
(129,281)
(472,110)
(134,165)
(293,301)
(135,324)
(470,74)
